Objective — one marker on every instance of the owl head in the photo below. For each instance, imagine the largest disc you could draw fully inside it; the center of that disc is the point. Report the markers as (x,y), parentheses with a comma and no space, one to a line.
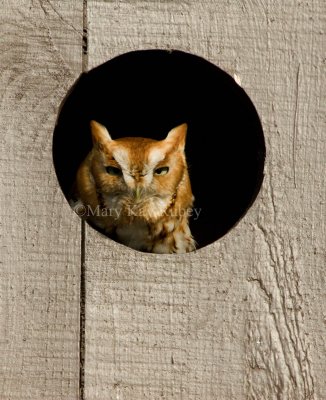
(139,177)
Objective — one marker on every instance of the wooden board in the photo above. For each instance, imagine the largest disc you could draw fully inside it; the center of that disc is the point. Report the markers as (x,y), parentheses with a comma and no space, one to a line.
(40,46)
(242,318)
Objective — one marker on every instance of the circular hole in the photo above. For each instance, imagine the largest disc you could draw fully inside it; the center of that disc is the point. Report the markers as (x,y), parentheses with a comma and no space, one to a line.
(146,94)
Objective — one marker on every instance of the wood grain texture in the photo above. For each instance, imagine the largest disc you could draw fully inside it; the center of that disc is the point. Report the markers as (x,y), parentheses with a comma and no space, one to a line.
(242,318)
(40,49)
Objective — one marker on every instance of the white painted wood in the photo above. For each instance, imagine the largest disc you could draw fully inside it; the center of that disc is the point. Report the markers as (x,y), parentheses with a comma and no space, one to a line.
(40,57)
(243,318)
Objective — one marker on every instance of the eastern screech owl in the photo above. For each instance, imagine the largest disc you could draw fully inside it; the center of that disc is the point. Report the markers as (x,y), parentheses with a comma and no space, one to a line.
(138,190)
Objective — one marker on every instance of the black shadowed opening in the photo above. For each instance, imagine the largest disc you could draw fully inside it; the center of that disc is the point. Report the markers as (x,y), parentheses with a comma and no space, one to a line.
(147,93)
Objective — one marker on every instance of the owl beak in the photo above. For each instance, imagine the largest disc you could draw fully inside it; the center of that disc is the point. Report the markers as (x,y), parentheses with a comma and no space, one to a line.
(138,193)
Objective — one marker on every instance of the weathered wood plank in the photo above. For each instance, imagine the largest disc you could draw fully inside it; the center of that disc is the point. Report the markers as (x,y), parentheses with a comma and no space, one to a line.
(242,318)
(40,50)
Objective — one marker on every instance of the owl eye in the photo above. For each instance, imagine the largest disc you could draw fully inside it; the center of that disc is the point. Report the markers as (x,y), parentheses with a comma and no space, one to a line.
(161,171)
(114,171)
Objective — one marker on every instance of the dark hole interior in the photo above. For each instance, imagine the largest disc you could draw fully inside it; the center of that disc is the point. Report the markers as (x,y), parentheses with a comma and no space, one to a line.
(147,93)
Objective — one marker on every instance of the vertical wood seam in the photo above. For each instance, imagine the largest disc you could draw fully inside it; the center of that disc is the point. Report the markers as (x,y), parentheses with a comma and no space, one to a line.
(82,303)
(82,315)
(85,38)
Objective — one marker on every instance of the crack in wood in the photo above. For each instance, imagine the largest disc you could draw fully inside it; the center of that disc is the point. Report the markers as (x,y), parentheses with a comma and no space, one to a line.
(279,283)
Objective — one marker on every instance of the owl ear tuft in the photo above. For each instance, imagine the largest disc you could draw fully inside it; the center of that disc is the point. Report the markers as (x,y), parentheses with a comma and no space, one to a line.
(177,137)
(100,134)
